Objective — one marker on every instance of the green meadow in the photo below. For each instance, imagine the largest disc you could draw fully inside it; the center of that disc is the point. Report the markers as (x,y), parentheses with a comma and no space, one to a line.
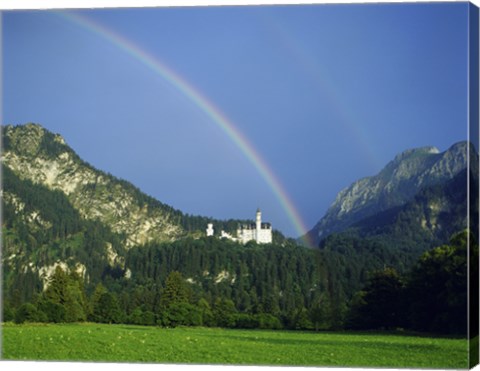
(198,345)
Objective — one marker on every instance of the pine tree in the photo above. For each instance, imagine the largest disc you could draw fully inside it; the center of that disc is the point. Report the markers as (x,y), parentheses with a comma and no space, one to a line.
(107,309)
(175,290)
(67,291)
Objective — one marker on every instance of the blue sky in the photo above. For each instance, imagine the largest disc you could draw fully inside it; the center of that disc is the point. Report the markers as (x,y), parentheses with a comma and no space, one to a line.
(326,94)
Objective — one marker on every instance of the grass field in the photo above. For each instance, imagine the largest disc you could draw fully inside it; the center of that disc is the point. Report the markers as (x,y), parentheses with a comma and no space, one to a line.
(122,343)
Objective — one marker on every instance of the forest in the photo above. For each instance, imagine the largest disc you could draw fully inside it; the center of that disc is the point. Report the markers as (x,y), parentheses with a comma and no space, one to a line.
(212,282)
(383,273)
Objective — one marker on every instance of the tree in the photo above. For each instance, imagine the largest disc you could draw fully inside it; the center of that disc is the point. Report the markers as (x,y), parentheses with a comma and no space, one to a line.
(76,305)
(54,312)
(181,314)
(380,304)
(8,313)
(29,313)
(299,319)
(224,312)
(57,286)
(136,317)
(474,291)
(268,321)
(321,313)
(95,301)
(245,320)
(175,290)
(205,312)
(107,309)
(438,288)
(67,291)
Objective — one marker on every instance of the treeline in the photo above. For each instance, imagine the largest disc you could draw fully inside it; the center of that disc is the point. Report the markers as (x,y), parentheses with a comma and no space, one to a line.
(286,282)
(213,282)
(206,281)
(432,297)
(222,283)
(210,282)
(65,300)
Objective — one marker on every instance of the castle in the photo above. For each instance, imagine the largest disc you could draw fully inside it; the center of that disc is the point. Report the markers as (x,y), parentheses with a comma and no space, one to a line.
(258,231)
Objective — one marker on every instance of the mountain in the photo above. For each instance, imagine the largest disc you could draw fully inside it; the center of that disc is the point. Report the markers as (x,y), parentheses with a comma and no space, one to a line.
(394,186)
(42,230)
(429,219)
(397,237)
(36,154)
(60,214)
(436,212)
(45,235)
(60,210)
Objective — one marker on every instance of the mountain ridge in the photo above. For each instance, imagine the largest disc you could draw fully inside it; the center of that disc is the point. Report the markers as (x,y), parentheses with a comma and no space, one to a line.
(33,152)
(396,184)
(51,224)
(45,157)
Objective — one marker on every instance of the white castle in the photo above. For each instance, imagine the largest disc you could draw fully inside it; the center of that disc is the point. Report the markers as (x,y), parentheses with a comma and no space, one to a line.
(258,231)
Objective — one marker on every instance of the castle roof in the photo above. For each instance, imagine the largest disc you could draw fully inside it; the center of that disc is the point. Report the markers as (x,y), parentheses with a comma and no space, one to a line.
(254,226)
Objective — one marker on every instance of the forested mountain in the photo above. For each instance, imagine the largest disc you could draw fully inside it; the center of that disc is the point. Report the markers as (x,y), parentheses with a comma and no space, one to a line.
(80,244)
(398,236)
(397,184)
(35,154)
(54,259)
(433,215)
(61,211)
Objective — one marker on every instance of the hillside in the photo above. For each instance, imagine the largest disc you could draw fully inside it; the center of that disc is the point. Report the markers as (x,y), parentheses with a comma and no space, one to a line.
(398,236)
(35,154)
(67,223)
(394,186)
(61,211)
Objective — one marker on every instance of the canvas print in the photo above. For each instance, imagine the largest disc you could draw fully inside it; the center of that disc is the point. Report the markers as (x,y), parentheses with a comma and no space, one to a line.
(282,185)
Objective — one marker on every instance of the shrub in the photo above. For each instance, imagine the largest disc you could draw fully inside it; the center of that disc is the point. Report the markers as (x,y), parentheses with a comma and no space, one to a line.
(29,313)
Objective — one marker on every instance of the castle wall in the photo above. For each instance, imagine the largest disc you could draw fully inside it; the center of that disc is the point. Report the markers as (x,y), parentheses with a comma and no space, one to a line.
(261,233)
(245,235)
(264,236)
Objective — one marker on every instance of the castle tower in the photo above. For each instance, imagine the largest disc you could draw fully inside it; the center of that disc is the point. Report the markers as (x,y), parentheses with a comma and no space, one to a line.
(258,222)
(210,230)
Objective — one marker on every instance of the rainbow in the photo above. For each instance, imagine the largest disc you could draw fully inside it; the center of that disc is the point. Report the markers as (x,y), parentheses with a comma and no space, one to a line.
(317,73)
(202,103)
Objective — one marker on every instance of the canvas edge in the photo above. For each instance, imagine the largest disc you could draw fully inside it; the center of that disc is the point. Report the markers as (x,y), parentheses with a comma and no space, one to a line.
(473,190)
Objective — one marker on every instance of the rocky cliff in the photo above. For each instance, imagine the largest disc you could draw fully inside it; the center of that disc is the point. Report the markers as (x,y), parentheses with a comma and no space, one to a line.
(36,154)
(397,184)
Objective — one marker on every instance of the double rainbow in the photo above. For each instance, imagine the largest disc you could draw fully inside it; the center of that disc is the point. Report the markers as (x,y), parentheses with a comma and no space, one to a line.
(202,103)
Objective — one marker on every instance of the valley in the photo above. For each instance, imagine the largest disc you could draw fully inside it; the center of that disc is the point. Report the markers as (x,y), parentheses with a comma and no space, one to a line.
(83,246)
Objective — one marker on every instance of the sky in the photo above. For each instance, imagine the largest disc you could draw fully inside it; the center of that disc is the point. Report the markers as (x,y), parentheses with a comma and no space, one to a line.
(218,111)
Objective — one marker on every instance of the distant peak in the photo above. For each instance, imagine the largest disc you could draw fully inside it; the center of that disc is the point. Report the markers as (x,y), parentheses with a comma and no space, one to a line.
(431,149)
(395,185)
(427,150)
(34,139)
(30,126)
(459,146)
